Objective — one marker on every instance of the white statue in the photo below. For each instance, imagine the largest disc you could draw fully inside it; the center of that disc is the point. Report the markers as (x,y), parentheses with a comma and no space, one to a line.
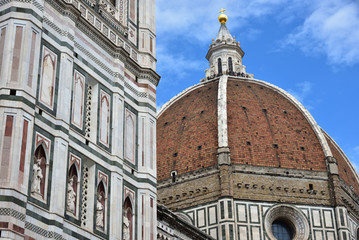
(36,177)
(126,227)
(71,196)
(99,212)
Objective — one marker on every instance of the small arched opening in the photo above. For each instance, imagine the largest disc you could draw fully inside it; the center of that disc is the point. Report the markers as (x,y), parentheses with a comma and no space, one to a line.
(219,67)
(230,66)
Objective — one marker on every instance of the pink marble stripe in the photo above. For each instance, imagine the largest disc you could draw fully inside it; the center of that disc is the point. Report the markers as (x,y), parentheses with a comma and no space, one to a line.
(23,151)
(32,56)
(17,53)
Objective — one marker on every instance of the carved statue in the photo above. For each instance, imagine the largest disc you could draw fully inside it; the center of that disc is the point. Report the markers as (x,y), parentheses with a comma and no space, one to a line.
(99,213)
(36,177)
(126,227)
(71,196)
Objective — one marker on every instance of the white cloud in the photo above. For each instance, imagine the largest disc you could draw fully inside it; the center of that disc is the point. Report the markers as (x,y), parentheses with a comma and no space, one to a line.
(197,19)
(331,29)
(176,63)
(302,90)
(356,150)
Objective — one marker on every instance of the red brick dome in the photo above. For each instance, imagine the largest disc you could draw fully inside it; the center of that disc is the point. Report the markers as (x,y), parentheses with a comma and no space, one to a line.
(266,127)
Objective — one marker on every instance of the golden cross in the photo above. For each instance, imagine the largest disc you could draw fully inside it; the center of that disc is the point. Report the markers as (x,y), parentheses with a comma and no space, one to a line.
(222,10)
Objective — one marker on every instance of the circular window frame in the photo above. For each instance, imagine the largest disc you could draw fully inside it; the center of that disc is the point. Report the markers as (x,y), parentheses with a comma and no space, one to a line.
(294,216)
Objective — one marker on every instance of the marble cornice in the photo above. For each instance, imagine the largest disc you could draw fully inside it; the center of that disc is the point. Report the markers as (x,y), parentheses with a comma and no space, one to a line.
(66,9)
(146,73)
(118,52)
(214,48)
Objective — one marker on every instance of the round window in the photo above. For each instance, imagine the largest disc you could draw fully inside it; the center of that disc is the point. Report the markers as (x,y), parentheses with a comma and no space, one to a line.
(285,222)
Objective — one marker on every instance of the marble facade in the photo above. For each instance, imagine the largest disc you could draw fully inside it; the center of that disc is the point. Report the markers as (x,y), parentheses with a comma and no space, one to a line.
(77,119)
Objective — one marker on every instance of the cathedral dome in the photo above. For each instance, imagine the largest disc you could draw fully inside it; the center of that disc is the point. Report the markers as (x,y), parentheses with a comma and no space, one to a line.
(242,157)
(266,127)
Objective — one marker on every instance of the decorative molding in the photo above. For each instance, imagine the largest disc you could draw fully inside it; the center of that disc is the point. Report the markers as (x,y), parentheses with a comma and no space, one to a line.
(13,213)
(200,173)
(84,200)
(36,229)
(33,2)
(43,232)
(59,30)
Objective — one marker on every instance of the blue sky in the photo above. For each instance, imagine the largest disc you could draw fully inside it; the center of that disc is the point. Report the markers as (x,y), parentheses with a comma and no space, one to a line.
(310,48)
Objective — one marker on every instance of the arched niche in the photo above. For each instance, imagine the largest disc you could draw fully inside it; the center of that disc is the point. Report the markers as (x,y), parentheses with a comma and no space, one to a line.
(39,172)
(101,206)
(128,219)
(72,190)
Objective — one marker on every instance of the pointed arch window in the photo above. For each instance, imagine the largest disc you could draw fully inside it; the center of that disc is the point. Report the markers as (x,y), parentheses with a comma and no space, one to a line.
(130,136)
(78,99)
(105,119)
(230,65)
(219,67)
(48,74)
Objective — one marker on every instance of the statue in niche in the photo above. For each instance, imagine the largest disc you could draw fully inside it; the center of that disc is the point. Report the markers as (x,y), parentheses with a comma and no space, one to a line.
(126,227)
(36,177)
(71,196)
(99,213)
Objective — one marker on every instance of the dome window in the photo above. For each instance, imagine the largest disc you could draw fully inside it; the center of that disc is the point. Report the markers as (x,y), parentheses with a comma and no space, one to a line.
(219,67)
(230,66)
(174,176)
